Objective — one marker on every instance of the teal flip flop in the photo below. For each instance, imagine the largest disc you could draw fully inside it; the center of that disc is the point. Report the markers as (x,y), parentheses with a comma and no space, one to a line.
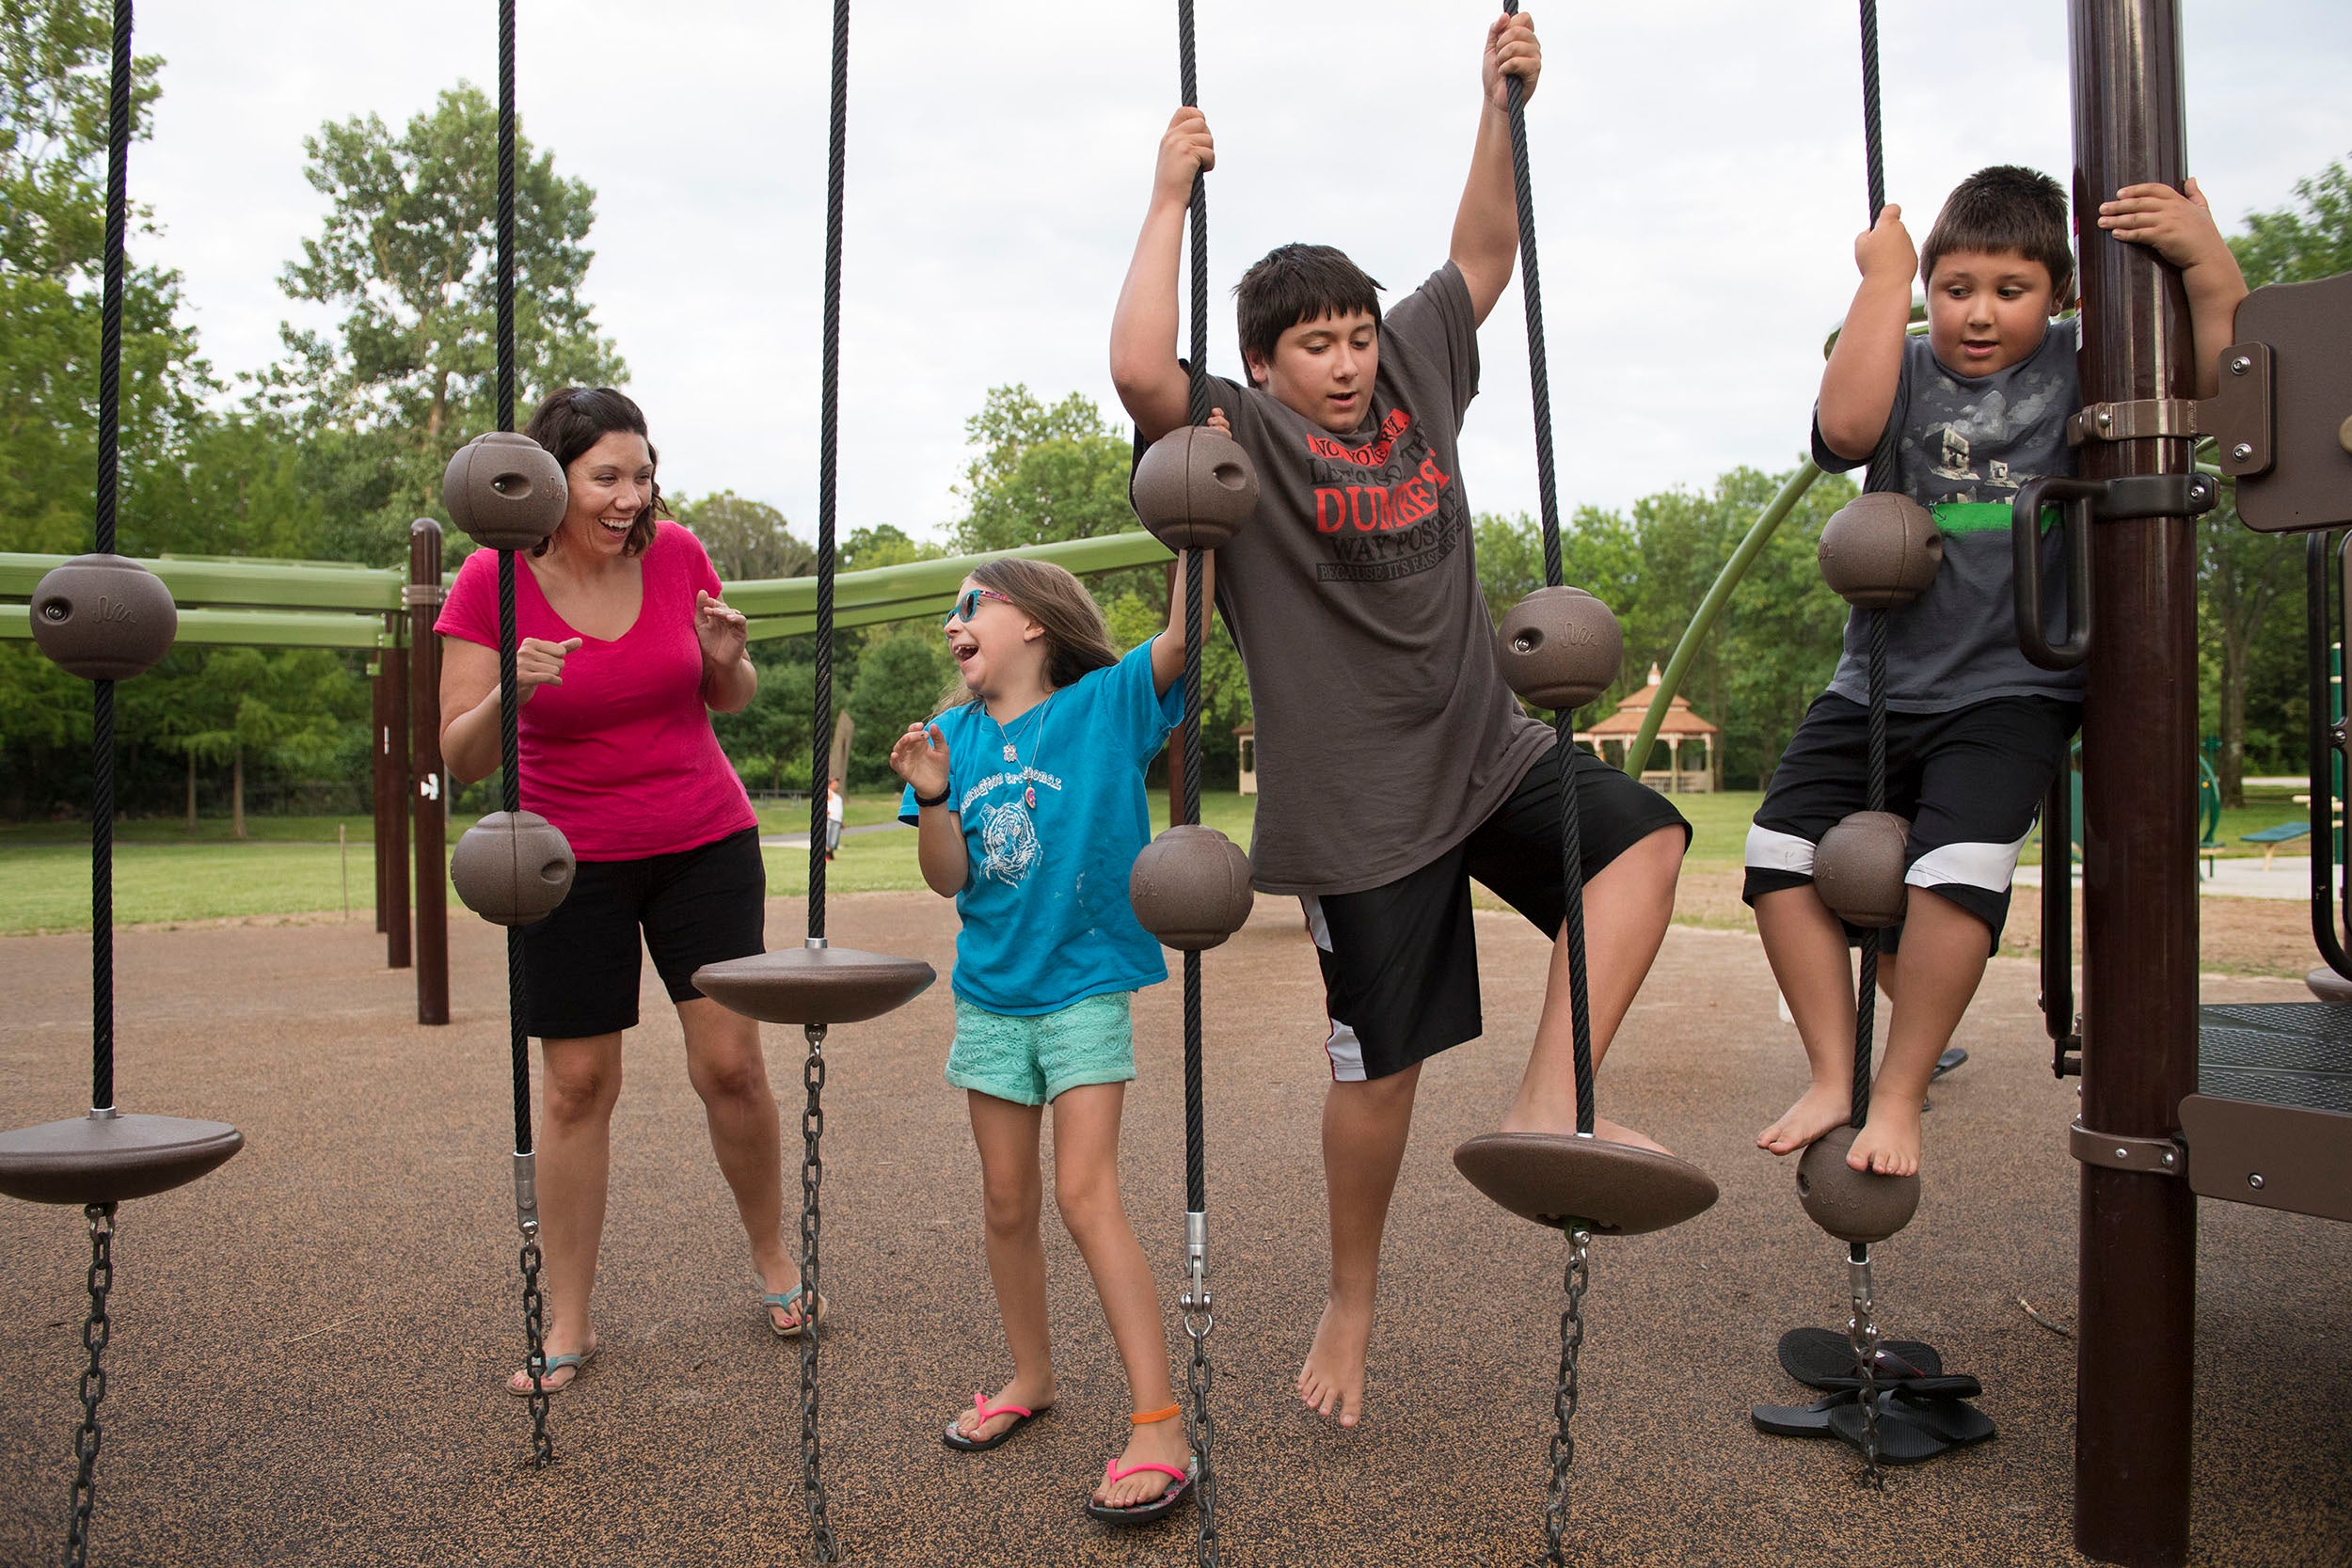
(548,1366)
(783,1300)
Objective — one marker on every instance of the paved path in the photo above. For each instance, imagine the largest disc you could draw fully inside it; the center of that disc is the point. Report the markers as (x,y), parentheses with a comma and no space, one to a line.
(2287,876)
(308,1344)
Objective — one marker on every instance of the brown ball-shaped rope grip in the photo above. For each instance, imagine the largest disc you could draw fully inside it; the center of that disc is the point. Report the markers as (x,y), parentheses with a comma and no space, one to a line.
(1195,488)
(505,491)
(1560,649)
(1191,887)
(103,617)
(1854,1206)
(512,869)
(1881,550)
(1858,869)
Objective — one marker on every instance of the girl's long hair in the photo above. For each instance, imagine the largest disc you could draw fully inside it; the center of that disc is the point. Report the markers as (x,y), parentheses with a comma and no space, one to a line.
(1076,640)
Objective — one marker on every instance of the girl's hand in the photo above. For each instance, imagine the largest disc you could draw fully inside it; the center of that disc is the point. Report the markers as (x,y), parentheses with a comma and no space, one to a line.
(920,758)
(721,629)
(538,663)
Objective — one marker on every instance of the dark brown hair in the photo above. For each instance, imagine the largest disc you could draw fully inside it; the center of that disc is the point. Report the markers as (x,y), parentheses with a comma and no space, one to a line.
(574,418)
(1295,283)
(1076,641)
(2005,208)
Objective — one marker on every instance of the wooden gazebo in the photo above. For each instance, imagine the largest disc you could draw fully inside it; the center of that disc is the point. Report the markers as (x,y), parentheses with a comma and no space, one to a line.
(1680,727)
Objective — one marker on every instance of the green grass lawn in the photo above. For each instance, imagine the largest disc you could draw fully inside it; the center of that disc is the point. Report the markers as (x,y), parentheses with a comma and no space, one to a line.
(290,866)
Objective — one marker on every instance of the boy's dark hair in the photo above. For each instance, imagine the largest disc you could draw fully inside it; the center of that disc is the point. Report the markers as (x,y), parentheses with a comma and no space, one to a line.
(574,418)
(1295,283)
(2005,208)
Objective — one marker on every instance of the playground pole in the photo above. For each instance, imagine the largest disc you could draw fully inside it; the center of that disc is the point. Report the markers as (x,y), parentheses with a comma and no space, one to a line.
(391,829)
(2138,1258)
(426,785)
(380,721)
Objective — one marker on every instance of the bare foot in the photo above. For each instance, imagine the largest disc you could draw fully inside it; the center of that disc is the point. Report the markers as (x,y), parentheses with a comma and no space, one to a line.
(1821,1108)
(1602,1127)
(1035,1399)
(1332,1380)
(1153,1443)
(1889,1144)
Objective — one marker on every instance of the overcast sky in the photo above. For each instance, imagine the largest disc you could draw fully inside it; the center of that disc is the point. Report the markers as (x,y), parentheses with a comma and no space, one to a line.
(1697,165)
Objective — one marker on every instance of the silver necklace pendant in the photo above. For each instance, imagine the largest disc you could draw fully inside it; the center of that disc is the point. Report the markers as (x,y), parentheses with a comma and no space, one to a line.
(1011,755)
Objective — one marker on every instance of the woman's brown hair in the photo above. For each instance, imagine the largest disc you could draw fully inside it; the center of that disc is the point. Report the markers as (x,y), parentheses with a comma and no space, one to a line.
(571,421)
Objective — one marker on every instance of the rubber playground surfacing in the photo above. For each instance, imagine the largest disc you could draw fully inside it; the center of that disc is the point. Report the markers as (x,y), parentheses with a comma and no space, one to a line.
(308,1344)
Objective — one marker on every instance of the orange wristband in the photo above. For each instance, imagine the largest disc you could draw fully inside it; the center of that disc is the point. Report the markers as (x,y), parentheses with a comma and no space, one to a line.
(1145,1418)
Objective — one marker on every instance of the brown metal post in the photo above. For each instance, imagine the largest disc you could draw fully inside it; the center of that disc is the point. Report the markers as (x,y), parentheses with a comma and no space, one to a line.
(428,786)
(392,858)
(382,800)
(2137,1256)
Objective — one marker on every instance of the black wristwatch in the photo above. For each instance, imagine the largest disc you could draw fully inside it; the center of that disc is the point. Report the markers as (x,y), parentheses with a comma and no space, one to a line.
(938,799)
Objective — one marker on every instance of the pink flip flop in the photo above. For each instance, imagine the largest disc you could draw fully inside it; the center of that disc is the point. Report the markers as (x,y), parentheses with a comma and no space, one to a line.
(1155,1508)
(956,1439)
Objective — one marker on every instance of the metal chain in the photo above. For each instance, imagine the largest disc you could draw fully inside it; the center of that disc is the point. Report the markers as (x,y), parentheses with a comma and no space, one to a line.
(95,1331)
(1862,1337)
(812,1222)
(534,1338)
(1564,1396)
(1202,1427)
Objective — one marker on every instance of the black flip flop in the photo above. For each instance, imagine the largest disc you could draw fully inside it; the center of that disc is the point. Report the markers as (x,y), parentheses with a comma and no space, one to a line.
(957,1441)
(1821,1358)
(1144,1513)
(1915,1431)
(1954,1056)
(1800,1420)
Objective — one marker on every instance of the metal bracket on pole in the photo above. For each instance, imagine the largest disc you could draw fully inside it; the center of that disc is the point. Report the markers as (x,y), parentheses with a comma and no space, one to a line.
(423,595)
(2148,1156)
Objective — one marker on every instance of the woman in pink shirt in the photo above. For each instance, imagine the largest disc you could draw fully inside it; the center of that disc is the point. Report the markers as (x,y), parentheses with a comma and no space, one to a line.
(624,650)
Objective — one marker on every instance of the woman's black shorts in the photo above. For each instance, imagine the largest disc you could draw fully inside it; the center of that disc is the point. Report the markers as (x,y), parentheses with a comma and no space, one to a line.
(1400,962)
(695,907)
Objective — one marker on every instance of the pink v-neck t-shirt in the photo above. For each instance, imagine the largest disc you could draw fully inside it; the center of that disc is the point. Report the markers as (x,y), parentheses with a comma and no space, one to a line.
(621,756)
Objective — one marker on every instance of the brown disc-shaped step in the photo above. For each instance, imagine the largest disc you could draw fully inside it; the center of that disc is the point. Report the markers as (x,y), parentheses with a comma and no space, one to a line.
(1560,649)
(815,985)
(1854,1206)
(505,491)
(1858,869)
(110,1159)
(1565,1181)
(512,869)
(1881,550)
(2329,986)
(1191,887)
(103,617)
(1195,488)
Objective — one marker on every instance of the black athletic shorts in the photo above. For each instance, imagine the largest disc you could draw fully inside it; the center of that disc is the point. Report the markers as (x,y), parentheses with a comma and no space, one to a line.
(697,905)
(1400,962)
(1971,780)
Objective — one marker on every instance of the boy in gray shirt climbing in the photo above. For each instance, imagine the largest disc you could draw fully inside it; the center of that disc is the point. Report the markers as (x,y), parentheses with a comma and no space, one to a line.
(1956,420)
(1394,766)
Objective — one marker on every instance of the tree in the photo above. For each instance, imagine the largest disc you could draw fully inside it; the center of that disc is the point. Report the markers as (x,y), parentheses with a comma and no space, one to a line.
(748,540)
(900,674)
(1042,474)
(54,64)
(409,252)
(291,711)
(2246,579)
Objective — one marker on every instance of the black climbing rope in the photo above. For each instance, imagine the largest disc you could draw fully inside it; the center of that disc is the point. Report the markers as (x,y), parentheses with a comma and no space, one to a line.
(1578,1276)
(1195,1299)
(1861,1329)
(96,1327)
(820,733)
(510,780)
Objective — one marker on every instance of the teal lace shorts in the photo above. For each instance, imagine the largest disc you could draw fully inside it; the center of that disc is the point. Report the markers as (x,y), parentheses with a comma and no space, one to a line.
(1030,1059)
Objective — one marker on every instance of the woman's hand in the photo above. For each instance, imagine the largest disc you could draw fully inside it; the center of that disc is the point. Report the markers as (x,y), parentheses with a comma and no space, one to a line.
(538,663)
(920,758)
(721,629)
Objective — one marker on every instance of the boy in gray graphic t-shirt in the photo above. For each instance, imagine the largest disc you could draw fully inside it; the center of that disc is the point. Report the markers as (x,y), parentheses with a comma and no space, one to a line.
(1958,419)
(1393,763)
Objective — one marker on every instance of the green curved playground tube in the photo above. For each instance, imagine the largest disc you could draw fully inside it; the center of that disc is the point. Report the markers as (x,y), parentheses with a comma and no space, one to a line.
(1760,533)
